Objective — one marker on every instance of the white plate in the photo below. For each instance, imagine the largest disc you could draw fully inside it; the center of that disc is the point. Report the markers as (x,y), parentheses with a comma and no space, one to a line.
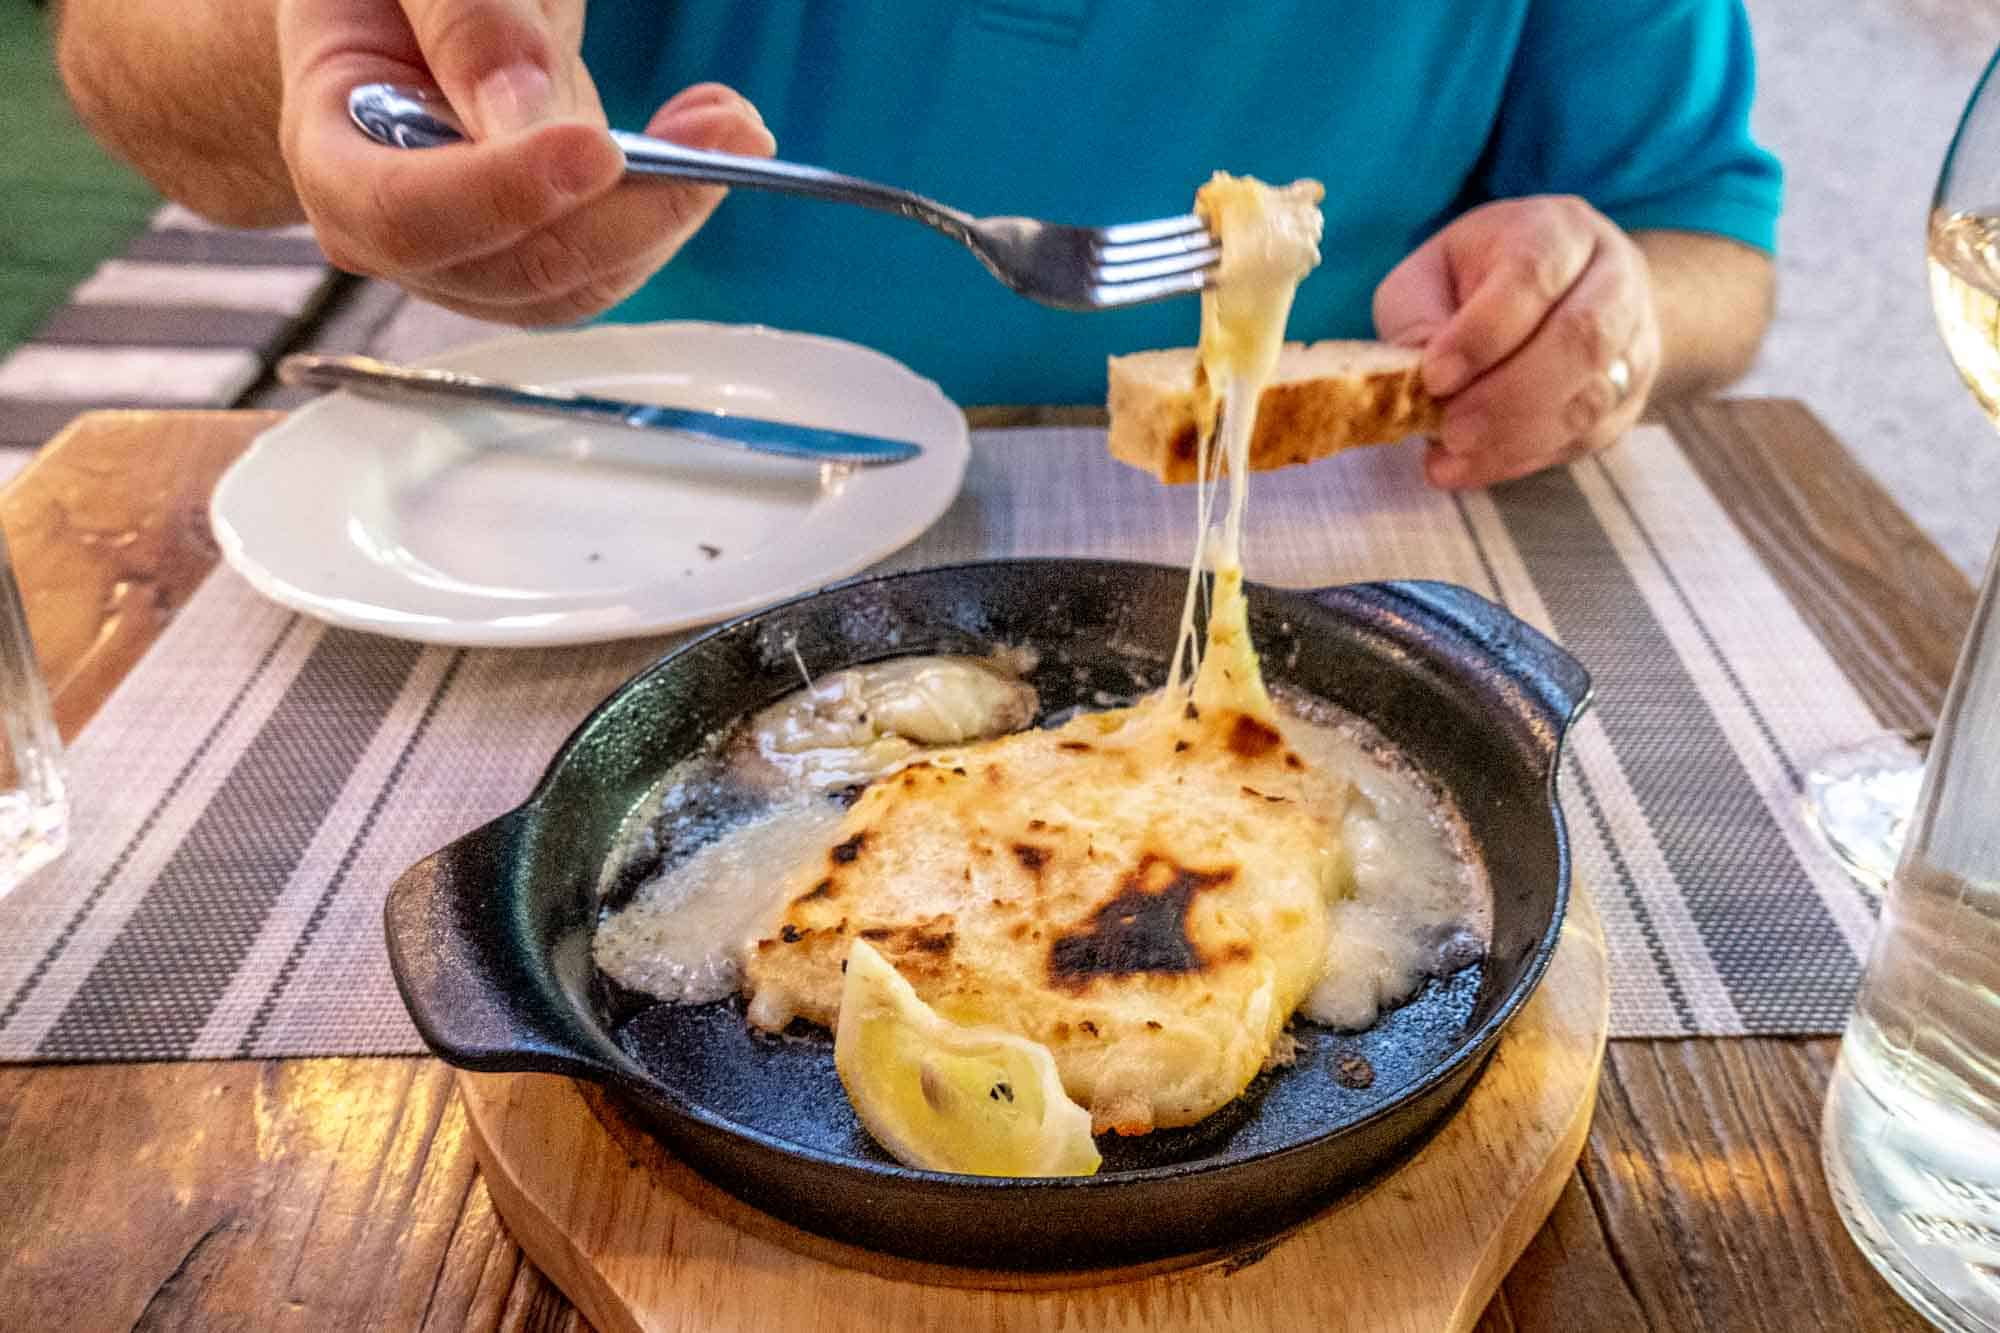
(466,526)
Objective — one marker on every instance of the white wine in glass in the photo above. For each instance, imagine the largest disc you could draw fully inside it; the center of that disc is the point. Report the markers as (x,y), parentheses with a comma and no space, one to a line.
(1911,1133)
(1963,257)
(1859,798)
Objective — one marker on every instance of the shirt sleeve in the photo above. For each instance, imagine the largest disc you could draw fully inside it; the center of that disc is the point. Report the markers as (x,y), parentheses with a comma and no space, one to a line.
(1641,107)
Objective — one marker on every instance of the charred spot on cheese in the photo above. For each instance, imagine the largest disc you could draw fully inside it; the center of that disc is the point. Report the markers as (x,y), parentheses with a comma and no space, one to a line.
(1191,713)
(843,853)
(1142,929)
(1252,739)
(791,934)
(1076,747)
(877,933)
(1183,746)
(1293,762)
(823,889)
(1031,857)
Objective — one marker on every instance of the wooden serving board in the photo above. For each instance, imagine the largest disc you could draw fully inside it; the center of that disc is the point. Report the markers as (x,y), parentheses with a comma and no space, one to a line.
(640,1242)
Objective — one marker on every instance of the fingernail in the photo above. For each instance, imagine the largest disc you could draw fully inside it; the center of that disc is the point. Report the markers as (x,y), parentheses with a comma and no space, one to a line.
(1444,373)
(511,99)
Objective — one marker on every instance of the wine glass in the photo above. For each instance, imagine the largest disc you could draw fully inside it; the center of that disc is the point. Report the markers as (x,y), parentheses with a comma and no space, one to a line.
(1859,798)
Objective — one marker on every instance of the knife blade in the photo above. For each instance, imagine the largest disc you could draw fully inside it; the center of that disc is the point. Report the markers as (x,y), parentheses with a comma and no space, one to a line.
(414,384)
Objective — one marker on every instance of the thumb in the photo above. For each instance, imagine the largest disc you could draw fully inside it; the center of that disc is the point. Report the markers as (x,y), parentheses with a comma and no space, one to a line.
(500,63)
(1417,298)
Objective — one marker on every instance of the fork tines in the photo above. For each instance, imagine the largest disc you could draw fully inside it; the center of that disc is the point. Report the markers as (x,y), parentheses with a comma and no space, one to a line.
(1166,255)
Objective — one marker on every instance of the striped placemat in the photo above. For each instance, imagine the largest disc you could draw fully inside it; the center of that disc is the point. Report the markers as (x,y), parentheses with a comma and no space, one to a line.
(190,315)
(247,796)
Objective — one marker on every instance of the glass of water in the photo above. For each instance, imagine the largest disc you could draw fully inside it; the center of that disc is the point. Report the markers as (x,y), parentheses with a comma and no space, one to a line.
(34,809)
(1911,1134)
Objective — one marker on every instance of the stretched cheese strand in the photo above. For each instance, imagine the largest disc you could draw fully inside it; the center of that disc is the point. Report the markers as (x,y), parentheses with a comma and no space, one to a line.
(1270,240)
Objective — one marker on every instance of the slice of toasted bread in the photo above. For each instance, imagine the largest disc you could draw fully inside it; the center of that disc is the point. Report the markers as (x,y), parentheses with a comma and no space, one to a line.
(1326,397)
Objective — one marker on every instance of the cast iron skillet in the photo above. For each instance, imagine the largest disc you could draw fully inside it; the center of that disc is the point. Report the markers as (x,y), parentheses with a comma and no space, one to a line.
(490,937)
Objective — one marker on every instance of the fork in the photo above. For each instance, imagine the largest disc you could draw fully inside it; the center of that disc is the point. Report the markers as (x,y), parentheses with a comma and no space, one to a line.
(1073,268)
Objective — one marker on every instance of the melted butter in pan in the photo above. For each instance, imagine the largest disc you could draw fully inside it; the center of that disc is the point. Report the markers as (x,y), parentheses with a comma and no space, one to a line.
(681,935)
(680,938)
(1419,904)
(867,722)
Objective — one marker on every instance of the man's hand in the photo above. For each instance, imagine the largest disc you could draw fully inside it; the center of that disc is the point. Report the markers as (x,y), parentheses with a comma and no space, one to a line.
(1524,309)
(527,223)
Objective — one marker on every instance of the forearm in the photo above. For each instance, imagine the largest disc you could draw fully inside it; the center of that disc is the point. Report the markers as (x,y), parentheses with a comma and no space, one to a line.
(1713,297)
(189,94)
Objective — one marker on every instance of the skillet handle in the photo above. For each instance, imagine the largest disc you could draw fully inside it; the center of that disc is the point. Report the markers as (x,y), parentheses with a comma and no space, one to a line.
(481,996)
(1555,686)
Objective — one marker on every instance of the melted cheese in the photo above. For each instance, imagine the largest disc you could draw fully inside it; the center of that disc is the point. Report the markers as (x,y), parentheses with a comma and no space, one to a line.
(1143,891)
(1176,844)
(1149,892)
(1270,240)
(866,722)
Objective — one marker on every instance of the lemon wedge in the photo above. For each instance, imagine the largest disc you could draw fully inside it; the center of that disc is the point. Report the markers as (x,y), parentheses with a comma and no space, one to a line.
(978,1101)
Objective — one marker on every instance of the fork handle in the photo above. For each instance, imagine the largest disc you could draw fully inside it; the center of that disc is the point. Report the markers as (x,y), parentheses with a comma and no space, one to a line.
(646,156)
(404,117)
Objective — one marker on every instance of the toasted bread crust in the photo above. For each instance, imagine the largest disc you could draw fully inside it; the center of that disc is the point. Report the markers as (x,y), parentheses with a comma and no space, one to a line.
(1154,425)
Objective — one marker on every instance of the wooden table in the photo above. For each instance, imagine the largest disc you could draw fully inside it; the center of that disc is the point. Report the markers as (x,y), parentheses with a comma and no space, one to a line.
(342,1193)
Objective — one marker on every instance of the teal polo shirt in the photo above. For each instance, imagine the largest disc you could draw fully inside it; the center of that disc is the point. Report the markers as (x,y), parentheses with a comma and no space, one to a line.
(1097,111)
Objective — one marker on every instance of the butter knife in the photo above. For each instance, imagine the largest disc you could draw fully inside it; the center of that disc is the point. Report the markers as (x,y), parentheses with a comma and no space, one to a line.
(412,384)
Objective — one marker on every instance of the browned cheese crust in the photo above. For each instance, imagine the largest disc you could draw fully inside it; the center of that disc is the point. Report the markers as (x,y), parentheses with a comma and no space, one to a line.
(1148,900)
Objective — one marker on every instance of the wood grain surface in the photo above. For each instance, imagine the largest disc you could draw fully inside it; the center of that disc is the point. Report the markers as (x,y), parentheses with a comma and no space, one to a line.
(108,529)
(342,1193)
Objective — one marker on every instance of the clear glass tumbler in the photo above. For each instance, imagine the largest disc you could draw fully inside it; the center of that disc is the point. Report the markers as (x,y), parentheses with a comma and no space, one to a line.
(34,808)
